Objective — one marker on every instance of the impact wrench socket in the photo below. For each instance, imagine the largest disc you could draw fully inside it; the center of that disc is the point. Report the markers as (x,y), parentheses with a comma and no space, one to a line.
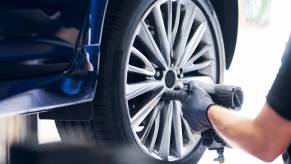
(228,96)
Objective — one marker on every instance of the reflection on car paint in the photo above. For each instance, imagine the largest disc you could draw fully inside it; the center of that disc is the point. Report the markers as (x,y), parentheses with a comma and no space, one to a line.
(76,85)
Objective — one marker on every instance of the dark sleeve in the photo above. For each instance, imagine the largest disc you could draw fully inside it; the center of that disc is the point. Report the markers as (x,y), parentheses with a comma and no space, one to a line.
(279,96)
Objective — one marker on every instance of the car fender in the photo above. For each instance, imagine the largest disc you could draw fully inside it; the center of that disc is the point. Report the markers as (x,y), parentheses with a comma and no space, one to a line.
(227,13)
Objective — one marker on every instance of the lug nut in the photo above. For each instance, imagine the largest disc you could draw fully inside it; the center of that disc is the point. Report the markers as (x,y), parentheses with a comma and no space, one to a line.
(158,74)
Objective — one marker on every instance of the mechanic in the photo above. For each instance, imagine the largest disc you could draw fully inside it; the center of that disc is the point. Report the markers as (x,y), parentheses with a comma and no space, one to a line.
(266,136)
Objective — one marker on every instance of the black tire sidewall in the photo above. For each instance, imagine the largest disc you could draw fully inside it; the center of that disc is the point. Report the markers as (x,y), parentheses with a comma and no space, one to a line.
(209,12)
(120,48)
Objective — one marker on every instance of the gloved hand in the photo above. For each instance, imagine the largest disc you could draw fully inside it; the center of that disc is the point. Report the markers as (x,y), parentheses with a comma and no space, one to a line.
(195,107)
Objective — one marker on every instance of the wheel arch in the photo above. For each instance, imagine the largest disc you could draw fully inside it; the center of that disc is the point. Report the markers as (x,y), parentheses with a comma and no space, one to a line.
(227,13)
(84,111)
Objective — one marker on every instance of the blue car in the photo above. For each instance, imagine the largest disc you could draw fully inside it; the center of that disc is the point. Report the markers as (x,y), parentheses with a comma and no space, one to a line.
(99,67)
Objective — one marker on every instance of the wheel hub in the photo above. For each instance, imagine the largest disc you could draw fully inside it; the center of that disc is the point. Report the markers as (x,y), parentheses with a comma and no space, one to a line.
(170,79)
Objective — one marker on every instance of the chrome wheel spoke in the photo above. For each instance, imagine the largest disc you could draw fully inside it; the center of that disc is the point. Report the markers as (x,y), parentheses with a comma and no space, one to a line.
(164,42)
(155,133)
(194,67)
(198,55)
(170,19)
(164,149)
(177,21)
(151,122)
(193,43)
(137,89)
(184,33)
(178,128)
(142,57)
(149,41)
(145,110)
(204,79)
(141,71)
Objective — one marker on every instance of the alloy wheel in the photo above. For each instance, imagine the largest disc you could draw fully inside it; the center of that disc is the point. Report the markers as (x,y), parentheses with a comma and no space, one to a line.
(173,42)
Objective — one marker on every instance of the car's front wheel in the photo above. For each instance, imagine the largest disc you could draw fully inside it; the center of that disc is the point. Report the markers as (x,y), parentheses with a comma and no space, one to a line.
(149,47)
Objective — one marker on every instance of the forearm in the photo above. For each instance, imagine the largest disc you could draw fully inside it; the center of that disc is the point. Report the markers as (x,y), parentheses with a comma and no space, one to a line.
(251,135)
(235,130)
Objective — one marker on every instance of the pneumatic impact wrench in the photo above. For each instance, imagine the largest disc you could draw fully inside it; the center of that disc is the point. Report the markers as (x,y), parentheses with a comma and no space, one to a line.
(228,96)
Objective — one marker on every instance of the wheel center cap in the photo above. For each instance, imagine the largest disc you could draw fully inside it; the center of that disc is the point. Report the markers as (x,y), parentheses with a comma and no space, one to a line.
(170,79)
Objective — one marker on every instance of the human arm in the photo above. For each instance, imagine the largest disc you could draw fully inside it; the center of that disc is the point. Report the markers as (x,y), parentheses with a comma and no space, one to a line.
(265,137)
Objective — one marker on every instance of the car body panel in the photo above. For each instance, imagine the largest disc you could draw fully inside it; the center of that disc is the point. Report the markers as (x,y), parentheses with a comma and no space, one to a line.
(74,85)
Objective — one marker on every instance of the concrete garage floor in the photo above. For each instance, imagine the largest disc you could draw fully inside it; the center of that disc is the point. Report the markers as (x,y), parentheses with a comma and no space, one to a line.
(254,67)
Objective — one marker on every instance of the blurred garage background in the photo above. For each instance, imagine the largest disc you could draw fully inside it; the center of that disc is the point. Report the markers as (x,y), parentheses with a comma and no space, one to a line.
(263,32)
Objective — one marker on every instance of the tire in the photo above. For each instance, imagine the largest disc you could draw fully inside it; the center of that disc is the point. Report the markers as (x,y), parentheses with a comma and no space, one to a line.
(113,122)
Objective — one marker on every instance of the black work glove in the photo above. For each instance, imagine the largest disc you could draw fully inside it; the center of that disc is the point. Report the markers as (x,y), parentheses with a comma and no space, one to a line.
(195,107)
